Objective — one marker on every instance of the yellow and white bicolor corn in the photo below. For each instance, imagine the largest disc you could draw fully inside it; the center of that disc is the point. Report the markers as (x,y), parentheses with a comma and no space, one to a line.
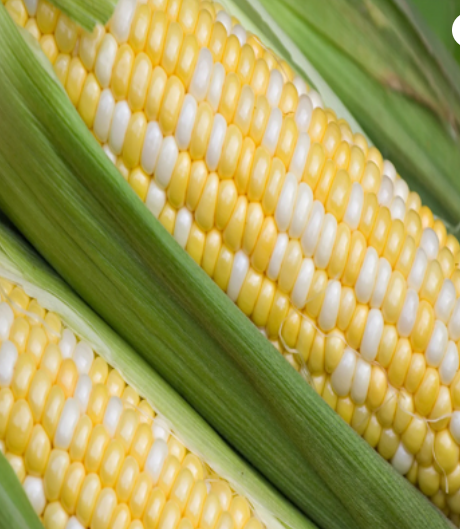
(88,450)
(303,224)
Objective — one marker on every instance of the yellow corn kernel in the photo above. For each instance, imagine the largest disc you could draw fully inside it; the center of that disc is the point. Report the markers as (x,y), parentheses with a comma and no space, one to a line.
(377,388)
(71,486)
(274,185)
(154,508)
(172,46)
(196,243)
(233,233)
(369,215)
(226,201)
(231,150)
(140,27)
(325,183)
(52,411)
(140,81)
(373,431)
(447,261)
(17,464)
(432,283)
(357,164)
(201,131)
(355,260)
(357,325)
(51,361)
(394,298)
(259,119)
(394,242)
(290,266)
(47,17)
(97,403)
(99,371)
(127,478)
(180,180)
(205,211)
(97,445)
(155,93)
(253,227)
(32,27)
(17,11)
(388,443)
(66,34)
(141,444)
(80,438)
(204,27)
(37,343)
(346,308)
(371,178)
(140,495)
(111,463)
(426,216)
(56,469)
(89,493)
(37,452)
(441,410)
(19,333)
(413,225)
(406,257)
(67,377)
(318,125)
(400,363)
(345,408)
(387,345)
(331,139)
(49,47)
(427,393)
(416,372)
(6,404)
(89,46)
(337,200)
(287,140)
(55,516)
(23,374)
(264,303)
(103,510)
(211,251)
(53,327)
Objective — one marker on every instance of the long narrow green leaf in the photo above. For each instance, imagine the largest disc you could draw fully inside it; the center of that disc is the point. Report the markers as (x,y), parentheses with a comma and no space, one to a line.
(69,200)
(20,264)
(15,509)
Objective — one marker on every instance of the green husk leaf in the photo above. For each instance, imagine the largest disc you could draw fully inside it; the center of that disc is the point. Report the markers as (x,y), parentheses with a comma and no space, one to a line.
(73,205)
(399,85)
(21,265)
(15,508)
(87,13)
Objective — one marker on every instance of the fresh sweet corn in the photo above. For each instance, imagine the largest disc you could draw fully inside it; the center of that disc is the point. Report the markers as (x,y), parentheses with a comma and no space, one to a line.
(88,452)
(303,224)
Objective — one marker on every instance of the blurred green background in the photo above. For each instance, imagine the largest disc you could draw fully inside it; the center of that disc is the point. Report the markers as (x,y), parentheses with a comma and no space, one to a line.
(440,14)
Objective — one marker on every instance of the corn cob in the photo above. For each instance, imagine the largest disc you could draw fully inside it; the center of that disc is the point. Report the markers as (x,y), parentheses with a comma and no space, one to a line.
(87,449)
(305,226)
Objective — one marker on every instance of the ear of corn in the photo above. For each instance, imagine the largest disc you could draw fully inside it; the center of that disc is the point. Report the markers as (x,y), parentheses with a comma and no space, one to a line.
(96,438)
(152,269)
